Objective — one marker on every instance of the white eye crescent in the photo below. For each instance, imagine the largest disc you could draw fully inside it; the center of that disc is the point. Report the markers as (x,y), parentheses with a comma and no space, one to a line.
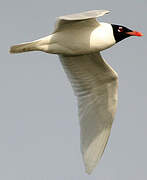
(120,29)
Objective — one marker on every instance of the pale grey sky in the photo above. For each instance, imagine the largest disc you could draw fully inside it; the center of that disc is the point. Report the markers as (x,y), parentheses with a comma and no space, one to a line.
(39,128)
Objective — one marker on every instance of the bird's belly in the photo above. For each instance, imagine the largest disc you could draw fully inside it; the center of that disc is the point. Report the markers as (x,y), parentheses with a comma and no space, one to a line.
(79,41)
(71,43)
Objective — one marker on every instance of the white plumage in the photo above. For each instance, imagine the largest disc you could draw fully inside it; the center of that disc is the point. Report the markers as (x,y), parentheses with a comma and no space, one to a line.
(95,85)
(78,40)
(93,80)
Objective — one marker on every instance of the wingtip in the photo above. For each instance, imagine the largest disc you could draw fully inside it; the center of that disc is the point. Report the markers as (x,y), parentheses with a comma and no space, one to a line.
(107,11)
(89,164)
(88,170)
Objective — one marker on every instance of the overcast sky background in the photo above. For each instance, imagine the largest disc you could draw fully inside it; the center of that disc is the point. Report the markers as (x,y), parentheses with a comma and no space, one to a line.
(39,128)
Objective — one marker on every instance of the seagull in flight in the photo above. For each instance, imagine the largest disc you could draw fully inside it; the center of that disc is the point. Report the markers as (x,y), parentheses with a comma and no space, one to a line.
(78,40)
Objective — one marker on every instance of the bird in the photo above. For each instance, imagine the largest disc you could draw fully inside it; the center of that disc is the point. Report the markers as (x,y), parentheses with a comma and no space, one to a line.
(78,40)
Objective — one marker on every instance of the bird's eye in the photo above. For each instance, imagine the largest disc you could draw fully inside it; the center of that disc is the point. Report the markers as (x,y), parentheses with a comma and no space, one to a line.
(120,29)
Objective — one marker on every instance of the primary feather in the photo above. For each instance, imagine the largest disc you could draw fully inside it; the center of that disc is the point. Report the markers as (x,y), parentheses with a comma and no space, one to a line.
(95,85)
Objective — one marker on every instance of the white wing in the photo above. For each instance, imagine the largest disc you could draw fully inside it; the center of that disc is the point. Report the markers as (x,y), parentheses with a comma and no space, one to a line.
(95,85)
(72,18)
(84,15)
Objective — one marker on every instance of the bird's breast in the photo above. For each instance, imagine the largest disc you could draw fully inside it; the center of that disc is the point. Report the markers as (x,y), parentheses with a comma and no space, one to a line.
(102,38)
(78,40)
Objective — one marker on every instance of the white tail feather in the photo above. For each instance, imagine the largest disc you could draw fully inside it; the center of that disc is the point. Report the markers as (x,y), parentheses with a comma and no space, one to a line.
(41,44)
(20,48)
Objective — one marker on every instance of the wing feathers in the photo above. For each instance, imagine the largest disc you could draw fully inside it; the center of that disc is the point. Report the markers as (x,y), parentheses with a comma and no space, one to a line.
(84,15)
(95,85)
(90,16)
(95,150)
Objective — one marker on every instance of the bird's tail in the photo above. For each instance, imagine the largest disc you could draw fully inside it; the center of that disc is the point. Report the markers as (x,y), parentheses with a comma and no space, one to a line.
(37,45)
(24,47)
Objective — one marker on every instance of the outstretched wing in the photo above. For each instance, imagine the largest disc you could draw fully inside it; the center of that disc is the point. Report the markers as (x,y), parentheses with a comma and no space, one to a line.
(95,85)
(84,15)
(72,18)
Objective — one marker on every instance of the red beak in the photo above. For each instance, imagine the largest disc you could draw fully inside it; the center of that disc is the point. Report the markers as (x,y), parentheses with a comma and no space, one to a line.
(134,33)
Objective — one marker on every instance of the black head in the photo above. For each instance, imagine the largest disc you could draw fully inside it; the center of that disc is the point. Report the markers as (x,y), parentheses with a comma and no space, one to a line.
(121,32)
